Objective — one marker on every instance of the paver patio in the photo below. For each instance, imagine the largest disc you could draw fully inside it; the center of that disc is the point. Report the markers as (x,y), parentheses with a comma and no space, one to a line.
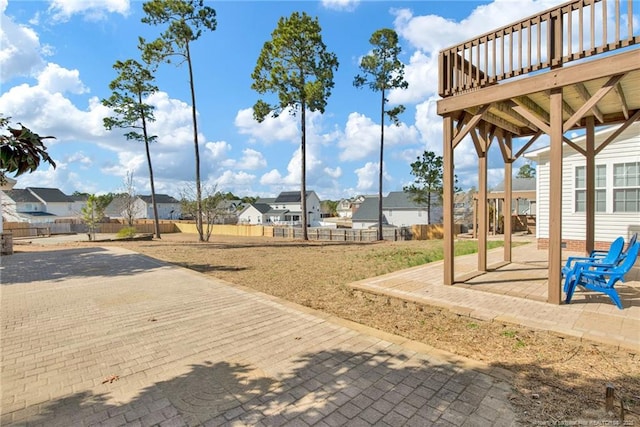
(105,336)
(517,293)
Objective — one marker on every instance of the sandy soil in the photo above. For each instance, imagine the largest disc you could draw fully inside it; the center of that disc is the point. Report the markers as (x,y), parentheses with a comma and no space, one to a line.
(558,380)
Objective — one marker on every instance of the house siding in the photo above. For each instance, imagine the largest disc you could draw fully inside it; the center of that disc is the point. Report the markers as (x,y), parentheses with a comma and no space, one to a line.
(608,225)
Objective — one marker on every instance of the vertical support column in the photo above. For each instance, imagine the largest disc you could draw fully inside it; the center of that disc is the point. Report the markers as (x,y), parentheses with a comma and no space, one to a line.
(555,198)
(508,197)
(483,218)
(475,216)
(447,199)
(590,212)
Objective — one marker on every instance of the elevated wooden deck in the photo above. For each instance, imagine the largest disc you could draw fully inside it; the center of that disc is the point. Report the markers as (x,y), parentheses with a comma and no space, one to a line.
(572,67)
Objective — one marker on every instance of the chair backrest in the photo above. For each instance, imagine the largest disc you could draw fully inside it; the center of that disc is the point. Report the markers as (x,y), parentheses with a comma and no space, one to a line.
(632,241)
(615,250)
(629,260)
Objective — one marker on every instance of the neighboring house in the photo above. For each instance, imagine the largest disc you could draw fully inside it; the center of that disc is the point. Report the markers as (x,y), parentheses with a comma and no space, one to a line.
(141,207)
(617,189)
(346,207)
(286,209)
(255,214)
(168,207)
(523,195)
(463,208)
(37,204)
(228,211)
(398,209)
(79,202)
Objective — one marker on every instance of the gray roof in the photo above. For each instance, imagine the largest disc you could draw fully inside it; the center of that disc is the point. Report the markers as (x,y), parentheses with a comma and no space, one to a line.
(368,211)
(50,195)
(518,184)
(399,200)
(290,197)
(262,207)
(21,195)
(266,200)
(160,198)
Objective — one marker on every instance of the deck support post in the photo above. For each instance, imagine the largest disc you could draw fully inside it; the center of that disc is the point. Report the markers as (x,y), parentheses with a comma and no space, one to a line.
(590,184)
(483,218)
(555,198)
(508,197)
(447,198)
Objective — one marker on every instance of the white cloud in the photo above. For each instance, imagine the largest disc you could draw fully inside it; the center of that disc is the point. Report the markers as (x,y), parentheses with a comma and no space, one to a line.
(20,51)
(92,10)
(79,157)
(362,137)
(334,173)
(217,150)
(56,79)
(281,128)
(367,177)
(236,182)
(345,5)
(430,33)
(252,160)
(421,73)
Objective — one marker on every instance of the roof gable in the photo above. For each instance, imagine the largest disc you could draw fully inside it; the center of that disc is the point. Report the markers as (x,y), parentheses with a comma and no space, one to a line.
(291,196)
(21,195)
(160,198)
(50,195)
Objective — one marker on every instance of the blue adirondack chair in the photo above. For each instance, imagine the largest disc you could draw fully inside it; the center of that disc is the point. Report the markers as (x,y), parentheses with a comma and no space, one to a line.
(600,253)
(575,263)
(602,278)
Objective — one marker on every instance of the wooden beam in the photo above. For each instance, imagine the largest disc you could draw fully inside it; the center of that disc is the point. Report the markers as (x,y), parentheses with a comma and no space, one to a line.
(591,185)
(505,148)
(505,108)
(526,102)
(540,122)
(508,197)
(558,78)
(614,135)
(527,145)
(586,96)
(600,93)
(565,105)
(469,125)
(623,100)
(555,199)
(447,199)
(573,145)
(483,218)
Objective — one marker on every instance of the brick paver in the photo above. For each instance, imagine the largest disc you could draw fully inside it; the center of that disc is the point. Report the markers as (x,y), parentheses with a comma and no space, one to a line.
(104,336)
(516,293)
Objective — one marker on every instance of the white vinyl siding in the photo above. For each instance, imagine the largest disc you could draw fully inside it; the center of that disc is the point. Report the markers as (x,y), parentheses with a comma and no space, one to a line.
(609,223)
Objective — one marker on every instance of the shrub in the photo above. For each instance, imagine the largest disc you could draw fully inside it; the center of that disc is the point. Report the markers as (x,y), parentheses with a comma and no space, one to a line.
(126,233)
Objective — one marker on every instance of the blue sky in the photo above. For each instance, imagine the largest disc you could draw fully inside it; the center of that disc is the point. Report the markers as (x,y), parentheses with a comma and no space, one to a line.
(56,64)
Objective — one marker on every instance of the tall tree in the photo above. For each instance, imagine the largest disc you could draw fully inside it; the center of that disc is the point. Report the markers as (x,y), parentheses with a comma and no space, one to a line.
(185,21)
(295,65)
(382,72)
(21,150)
(134,82)
(428,186)
(526,171)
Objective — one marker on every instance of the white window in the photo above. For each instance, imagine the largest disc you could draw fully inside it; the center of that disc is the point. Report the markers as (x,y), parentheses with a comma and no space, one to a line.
(581,189)
(626,187)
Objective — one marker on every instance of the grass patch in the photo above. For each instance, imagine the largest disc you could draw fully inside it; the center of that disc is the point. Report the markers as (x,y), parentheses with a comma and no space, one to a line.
(399,257)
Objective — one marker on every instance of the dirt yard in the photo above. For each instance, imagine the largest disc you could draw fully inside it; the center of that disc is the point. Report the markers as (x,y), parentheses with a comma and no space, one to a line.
(558,380)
